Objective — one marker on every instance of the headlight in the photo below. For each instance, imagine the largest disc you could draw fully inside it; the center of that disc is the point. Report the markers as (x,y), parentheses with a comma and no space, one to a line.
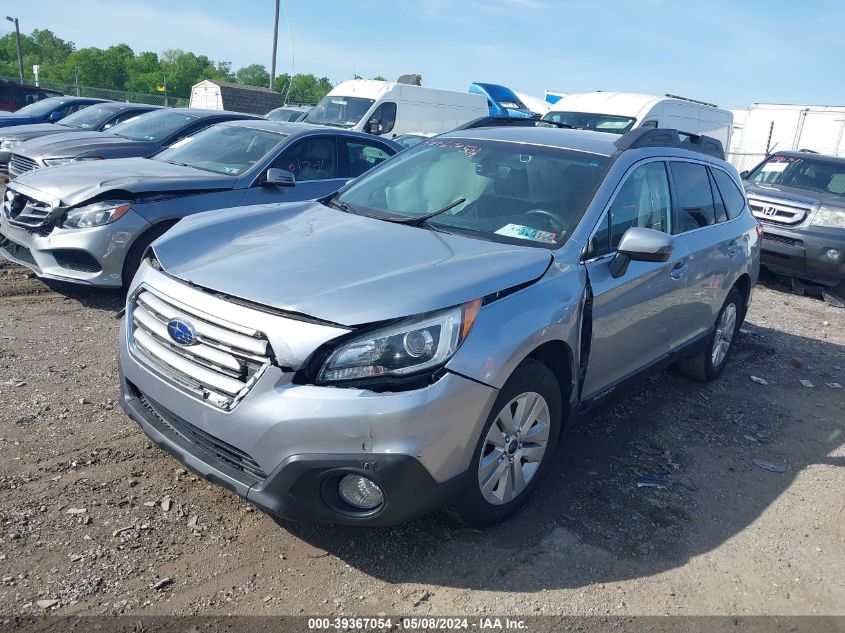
(10,143)
(415,345)
(96,214)
(53,162)
(833,217)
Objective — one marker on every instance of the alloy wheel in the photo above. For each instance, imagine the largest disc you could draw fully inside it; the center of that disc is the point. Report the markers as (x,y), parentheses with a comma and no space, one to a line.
(514,448)
(724,335)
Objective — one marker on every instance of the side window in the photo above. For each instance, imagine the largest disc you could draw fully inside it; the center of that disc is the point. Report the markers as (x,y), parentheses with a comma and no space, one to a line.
(643,200)
(310,159)
(732,196)
(76,107)
(386,115)
(363,156)
(719,210)
(695,198)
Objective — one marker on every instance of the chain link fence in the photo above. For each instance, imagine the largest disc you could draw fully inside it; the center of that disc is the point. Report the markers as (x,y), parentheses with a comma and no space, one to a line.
(107,93)
(744,161)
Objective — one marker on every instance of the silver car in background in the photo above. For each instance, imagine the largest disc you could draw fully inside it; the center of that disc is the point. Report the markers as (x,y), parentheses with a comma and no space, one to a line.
(422,336)
(90,222)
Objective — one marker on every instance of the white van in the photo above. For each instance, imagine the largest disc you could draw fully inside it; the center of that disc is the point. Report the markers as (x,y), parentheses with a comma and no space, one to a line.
(620,112)
(391,108)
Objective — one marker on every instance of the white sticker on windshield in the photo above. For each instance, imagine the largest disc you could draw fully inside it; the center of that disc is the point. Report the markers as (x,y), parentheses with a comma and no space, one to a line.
(776,167)
(527,233)
(181,142)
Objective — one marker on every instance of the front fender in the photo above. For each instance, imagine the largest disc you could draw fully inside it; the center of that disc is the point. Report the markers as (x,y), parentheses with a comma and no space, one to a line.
(509,329)
(173,207)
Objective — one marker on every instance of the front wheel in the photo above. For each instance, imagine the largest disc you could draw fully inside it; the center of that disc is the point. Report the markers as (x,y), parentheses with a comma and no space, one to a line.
(707,365)
(515,446)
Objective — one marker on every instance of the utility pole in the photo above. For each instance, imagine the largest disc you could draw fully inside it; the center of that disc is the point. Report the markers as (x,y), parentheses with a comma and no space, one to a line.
(275,44)
(18,41)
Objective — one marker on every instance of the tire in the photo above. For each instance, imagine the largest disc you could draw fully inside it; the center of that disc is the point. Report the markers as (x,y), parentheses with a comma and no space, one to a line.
(835,296)
(132,261)
(709,364)
(531,383)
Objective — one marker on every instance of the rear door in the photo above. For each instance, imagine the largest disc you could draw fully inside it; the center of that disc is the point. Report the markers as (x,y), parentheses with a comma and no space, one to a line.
(633,316)
(714,246)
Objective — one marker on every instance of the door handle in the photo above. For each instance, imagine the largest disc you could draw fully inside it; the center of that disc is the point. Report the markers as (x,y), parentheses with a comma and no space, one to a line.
(678,270)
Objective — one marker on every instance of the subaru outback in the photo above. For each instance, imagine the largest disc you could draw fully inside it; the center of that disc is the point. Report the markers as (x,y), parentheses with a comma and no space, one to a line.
(421,337)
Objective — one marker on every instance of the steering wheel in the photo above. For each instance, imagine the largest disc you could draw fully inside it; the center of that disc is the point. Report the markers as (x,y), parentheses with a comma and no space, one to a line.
(550,217)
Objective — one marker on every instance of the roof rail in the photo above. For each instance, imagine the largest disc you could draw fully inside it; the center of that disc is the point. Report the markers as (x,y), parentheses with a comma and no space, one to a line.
(664,137)
(712,105)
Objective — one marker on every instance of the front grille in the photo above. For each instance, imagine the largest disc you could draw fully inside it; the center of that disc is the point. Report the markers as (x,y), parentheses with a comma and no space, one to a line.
(75,259)
(20,165)
(782,239)
(222,364)
(777,212)
(225,453)
(26,212)
(16,251)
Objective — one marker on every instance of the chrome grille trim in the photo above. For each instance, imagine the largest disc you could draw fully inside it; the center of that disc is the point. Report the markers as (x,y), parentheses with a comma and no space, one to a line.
(20,165)
(26,212)
(220,368)
(777,212)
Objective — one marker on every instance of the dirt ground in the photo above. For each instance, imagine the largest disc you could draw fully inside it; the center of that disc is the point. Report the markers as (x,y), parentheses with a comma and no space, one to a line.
(96,519)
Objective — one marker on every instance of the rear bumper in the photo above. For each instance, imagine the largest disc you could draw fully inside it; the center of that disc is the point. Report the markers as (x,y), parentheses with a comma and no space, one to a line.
(805,252)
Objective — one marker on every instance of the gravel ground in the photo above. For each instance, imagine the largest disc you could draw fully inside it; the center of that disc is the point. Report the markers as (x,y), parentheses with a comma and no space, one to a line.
(96,519)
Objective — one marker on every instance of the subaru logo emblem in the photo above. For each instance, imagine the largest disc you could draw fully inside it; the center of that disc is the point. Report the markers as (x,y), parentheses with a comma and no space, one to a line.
(182,332)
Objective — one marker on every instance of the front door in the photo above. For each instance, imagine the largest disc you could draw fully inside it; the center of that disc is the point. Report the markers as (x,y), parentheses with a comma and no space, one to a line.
(633,316)
(313,162)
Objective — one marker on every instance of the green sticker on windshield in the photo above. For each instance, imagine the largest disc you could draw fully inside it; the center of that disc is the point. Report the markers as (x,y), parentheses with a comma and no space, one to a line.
(527,233)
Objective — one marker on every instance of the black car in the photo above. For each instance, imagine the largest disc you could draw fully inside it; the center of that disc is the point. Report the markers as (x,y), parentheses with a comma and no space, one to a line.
(47,110)
(95,118)
(142,136)
(799,199)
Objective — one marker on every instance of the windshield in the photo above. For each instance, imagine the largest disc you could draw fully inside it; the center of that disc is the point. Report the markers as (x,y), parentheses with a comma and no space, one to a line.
(40,108)
(592,121)
(814,174)
(91,118)
(339,111)
(223,149)
(152,126)
(285,114)
(499,191)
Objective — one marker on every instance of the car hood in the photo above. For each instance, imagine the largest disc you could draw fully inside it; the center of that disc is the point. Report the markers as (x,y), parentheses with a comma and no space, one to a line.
(348,269)
(74,183)
(75,144)
(11,119)
(33,130)
(801,196)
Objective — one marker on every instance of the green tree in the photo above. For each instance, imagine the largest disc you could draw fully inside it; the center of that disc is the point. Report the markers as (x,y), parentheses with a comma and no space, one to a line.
(253,75)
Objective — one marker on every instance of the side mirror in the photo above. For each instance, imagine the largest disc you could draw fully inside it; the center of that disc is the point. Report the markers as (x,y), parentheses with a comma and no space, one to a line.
(642,245)
(374,126)
(278,178)
(744,174)
(54,116)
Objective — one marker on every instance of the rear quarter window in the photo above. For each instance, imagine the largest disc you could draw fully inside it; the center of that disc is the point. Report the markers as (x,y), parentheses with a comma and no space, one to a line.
(731,195)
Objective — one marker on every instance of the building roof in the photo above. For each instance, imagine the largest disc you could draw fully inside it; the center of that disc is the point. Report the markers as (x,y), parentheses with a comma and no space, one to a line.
(248,99)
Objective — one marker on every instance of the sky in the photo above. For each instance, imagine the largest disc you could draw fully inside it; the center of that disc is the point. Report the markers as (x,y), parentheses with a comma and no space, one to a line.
(729,52)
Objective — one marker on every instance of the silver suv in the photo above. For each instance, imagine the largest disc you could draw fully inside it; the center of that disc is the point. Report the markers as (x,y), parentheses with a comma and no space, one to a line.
(422,336)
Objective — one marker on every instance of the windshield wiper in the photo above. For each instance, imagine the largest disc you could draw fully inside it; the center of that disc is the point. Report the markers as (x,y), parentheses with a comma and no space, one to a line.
(422,219)
(332,201)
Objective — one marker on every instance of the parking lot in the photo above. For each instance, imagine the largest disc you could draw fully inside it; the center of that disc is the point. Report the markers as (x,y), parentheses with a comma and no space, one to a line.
(96,519)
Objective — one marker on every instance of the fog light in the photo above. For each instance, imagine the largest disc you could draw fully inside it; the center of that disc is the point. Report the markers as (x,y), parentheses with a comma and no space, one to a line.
(832,253)
(360,492)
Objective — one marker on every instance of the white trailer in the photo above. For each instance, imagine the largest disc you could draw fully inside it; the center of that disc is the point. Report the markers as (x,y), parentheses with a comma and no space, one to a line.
(769,127)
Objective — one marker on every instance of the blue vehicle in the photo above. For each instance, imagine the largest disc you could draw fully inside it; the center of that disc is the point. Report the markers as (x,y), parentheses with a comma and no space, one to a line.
(47,110)
(503,101)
